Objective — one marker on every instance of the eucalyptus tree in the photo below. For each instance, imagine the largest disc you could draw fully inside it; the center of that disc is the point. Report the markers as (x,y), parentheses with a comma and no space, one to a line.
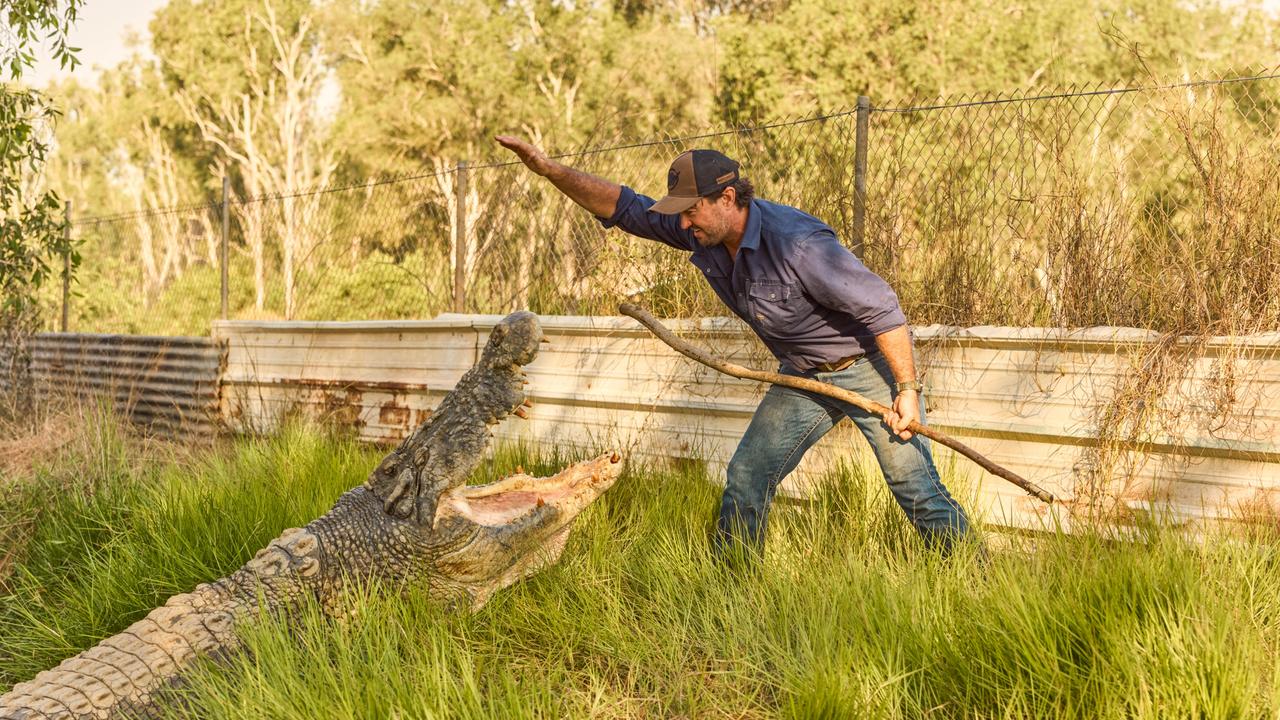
(250,76)
(426,84)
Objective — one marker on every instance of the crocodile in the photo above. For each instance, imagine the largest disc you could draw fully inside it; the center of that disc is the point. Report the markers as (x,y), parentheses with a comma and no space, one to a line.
(413,523)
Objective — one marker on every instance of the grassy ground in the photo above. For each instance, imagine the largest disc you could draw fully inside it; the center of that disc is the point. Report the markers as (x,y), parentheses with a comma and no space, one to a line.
(846,618)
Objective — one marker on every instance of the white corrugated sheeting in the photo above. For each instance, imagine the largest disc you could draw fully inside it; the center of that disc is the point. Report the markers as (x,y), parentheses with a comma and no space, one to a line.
(1032,400)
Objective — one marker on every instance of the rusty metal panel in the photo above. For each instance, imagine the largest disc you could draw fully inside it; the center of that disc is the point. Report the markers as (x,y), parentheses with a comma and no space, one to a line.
(168,385)
(381,378)
(1030,399)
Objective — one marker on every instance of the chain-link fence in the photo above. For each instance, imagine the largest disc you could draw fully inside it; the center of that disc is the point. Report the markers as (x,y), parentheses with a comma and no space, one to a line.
(1155,206)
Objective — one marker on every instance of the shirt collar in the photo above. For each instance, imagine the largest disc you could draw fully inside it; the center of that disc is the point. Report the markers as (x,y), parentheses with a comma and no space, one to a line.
(751,235)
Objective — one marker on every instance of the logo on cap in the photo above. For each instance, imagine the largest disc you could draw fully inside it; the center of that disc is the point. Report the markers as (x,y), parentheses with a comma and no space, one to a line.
(673,177)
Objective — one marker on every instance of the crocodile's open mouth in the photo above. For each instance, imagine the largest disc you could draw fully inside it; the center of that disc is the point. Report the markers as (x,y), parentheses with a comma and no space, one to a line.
(500,502)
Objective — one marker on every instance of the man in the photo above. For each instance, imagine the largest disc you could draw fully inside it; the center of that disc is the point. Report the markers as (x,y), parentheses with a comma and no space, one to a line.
(821,312)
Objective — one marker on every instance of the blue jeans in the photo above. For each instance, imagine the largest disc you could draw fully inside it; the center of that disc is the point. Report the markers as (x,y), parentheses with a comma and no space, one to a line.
(788,422)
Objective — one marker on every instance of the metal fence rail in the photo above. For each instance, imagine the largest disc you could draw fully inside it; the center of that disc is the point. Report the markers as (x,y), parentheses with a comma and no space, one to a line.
(1146,206)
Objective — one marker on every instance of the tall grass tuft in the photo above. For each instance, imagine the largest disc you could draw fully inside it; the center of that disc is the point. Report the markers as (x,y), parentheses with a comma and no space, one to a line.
(846,617)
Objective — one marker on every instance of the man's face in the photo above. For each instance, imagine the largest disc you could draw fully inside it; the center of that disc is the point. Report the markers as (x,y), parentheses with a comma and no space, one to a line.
(709,220)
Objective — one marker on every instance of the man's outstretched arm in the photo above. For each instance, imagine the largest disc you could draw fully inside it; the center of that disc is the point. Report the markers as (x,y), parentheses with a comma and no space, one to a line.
(597,195)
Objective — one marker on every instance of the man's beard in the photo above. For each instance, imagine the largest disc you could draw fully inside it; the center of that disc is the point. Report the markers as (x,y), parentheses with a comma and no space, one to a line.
(707,239)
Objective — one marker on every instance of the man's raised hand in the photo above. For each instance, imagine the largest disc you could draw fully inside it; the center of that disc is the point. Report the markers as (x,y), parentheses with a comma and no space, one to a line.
(597,195)
(532,157)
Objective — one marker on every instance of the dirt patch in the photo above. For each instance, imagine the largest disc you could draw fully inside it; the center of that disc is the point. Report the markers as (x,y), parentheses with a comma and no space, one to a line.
(20,454)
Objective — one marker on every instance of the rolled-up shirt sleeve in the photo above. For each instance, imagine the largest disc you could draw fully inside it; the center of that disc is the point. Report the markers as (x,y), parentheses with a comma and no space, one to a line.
(632,215)
(837,279)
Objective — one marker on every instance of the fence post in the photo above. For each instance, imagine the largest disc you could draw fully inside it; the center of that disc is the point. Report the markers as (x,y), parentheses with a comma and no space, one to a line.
(460,235)
(66,266)
(226,230)
(860,175)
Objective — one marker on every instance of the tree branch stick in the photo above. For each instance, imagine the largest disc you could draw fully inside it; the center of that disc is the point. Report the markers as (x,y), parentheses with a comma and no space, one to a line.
(691,351)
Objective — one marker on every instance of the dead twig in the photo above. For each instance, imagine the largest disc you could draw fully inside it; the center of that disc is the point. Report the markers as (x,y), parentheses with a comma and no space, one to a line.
(693,352)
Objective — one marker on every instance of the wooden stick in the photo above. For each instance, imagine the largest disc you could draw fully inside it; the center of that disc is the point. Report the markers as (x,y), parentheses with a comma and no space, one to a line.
(691,351)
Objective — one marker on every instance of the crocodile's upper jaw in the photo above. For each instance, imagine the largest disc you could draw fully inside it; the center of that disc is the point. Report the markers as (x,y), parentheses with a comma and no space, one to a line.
(500,502)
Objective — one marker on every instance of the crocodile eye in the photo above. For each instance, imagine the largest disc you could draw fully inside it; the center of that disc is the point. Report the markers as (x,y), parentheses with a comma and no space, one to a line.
(388,466)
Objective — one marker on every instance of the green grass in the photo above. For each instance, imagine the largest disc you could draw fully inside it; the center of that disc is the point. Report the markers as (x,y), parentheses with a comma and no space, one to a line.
(847,617)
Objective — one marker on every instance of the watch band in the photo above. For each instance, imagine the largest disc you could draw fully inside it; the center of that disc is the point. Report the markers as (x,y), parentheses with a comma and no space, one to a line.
(908,385)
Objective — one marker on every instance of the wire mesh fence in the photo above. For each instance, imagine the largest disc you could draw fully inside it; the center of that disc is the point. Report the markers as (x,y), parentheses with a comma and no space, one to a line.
(1153,207)
(1097,206)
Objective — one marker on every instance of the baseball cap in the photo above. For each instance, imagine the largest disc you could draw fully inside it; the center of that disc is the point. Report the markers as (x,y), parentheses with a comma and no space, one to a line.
(695,174)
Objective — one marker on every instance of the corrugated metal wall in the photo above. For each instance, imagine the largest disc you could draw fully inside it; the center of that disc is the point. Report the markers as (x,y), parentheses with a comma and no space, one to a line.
(168,385)
(1035,401)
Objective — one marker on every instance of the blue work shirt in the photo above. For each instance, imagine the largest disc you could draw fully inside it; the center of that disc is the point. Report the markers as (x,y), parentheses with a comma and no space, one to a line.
(808,298)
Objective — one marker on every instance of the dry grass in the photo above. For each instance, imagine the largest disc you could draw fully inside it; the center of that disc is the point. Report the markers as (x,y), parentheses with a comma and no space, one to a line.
(25,446)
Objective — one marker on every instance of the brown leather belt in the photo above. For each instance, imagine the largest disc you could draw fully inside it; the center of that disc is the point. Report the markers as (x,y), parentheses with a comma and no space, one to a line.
(838,365)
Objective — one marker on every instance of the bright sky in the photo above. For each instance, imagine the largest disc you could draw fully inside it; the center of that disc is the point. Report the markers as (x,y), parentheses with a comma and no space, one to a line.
(100,32)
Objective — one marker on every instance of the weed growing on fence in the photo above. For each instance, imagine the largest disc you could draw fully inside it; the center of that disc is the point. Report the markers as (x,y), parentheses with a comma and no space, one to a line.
(1203,271)
(847,617)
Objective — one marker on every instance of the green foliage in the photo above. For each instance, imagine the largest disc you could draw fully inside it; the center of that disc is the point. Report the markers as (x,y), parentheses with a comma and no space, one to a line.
(201,45)
(32,242)
(26,22)
(30,226)
(822,54)
(212,52)
(846,618)
(427,81)
(414,287)
(103,154)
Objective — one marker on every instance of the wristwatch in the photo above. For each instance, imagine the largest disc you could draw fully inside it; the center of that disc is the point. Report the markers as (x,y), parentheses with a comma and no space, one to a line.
(908,385)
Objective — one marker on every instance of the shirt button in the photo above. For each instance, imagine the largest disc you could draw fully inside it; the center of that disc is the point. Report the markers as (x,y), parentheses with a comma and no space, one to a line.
(772,296)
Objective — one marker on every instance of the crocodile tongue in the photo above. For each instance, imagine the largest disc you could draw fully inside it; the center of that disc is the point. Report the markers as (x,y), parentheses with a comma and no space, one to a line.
(499,503)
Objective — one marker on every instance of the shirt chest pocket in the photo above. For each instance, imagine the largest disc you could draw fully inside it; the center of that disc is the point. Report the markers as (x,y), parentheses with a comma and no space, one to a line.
(776,306)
